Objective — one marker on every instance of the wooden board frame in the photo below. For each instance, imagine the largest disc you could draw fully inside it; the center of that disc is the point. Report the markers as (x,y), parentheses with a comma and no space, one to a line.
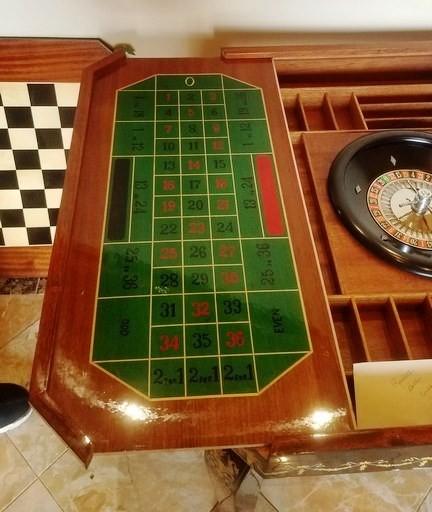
(83,403)
(42,60)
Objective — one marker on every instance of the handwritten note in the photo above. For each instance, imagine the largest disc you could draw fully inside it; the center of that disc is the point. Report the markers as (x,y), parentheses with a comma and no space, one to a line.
(393,393)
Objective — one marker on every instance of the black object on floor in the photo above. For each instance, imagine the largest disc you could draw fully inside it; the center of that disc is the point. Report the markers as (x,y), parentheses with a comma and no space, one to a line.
(14,406)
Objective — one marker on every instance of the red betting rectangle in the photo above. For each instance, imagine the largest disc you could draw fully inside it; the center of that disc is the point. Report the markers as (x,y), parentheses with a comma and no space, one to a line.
(267,185)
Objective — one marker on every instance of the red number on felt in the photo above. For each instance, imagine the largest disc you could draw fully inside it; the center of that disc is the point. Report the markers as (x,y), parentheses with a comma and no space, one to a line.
(168,184)
(230,277)
(226,251)
(222,204)
(221,183)
(169,206)
(169,342)
(196,227)
(168,253)
(200,309)
(194,165)
(218,145)
(235,339)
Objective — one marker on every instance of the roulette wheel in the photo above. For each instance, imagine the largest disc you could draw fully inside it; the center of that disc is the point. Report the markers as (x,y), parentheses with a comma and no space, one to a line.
(381,187)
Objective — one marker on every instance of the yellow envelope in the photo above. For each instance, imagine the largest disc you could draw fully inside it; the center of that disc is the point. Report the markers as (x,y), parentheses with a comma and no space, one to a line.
(393,393)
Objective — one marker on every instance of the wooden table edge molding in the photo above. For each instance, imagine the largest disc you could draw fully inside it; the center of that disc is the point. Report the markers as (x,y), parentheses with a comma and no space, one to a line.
(65,427)
(42,60)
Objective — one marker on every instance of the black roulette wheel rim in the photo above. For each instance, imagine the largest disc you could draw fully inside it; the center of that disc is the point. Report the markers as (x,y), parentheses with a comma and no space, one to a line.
(357,167)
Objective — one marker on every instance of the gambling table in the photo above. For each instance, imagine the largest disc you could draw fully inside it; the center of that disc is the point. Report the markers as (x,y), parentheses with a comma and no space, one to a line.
(203,291)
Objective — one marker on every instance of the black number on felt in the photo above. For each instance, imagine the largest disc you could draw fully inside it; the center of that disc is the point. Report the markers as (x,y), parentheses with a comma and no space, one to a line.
(232,306)
(169,165)
(199,279)
(194,184)
(249,203)
(195,378)
(141,185)
(195,204)
(169,280)
(219,164)
(198,251)
(140,204)
(201,340)
(263,250)
(130,282)
(160,378)
(224,227)
(131,255)
(193,145)
(157,374)
(124,327)
(168,309)
(168,229)
(168,146)
(230,375)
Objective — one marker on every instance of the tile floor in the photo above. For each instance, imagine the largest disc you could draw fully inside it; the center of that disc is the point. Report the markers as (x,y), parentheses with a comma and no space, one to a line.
(38,472)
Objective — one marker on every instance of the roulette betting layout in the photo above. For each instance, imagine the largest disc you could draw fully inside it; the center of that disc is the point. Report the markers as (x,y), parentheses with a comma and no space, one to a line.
(196,244)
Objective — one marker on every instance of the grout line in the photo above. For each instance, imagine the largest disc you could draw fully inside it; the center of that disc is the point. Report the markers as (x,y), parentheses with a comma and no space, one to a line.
(215,507)
(37,477)
(29,467)
(268,501)
(423,500)
(220,502)
(14,499)
(50,493)
(19,334)
(65,446)
(67,449)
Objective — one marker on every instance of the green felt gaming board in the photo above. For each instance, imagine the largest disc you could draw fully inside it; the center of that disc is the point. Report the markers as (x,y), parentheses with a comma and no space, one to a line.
(198,294)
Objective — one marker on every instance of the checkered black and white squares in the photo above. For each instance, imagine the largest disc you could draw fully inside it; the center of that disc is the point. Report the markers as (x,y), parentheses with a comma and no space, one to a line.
(36,121)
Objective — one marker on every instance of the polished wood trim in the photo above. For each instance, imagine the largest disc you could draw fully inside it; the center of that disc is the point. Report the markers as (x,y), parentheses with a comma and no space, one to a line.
(320,52)
(299,62)
(24,261)
(69,430)
(60,255)
(40,59)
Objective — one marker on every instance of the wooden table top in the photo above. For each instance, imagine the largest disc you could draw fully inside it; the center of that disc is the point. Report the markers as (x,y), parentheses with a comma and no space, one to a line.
(90,393)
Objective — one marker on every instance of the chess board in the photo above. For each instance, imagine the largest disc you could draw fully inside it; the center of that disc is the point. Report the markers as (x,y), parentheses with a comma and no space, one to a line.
(36,121)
